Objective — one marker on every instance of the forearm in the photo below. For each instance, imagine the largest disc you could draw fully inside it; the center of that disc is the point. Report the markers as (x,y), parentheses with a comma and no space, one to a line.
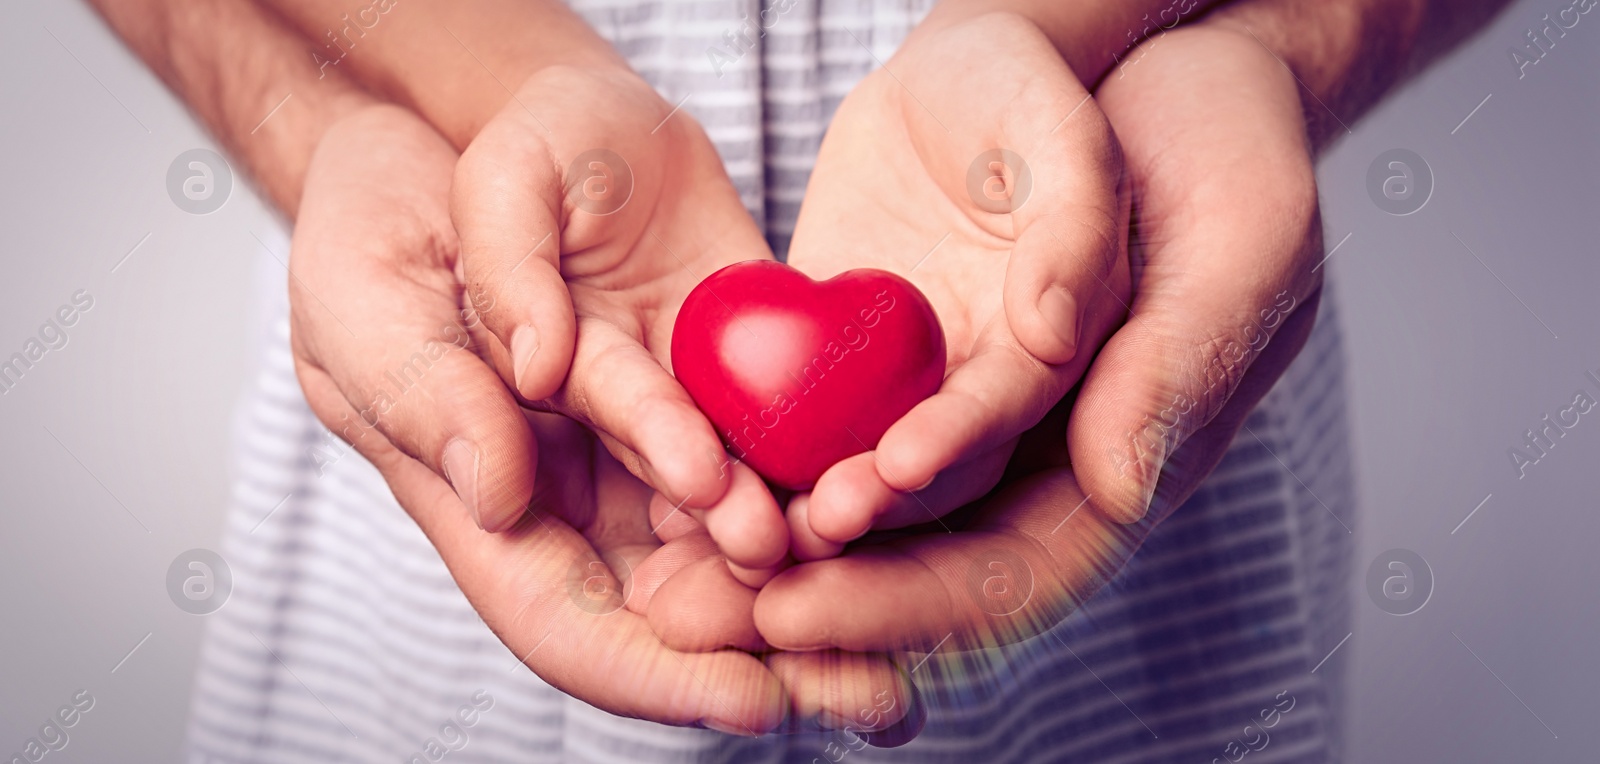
(452,61)
(1348,53)
(234,64)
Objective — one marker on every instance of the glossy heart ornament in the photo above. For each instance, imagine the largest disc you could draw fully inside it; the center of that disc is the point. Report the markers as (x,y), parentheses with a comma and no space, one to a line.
(798,374)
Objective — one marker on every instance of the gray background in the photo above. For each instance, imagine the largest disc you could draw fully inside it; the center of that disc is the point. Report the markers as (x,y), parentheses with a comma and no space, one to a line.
(1452,357)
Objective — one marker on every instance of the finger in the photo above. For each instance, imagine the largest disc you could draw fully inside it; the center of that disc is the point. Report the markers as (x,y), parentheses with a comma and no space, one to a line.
(832,689)
(641,676)
(680,526)
(1162,378)
(998,392)
(645,417)
(327,401)
(757,577)
(527,584)
(668,522)
(1067,278)
(994,582)
(903,731)
(506,203)
(702,607)
(844,503)
(804,542)
(1203,451)
(387,332)
(798,610)
(439,404)
(851,498)
(747,523)
(663,563)
(989,586)
(649,422)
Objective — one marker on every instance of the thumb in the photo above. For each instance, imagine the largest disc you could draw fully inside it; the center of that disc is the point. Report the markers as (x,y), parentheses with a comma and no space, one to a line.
(1067,278)
(506,206)
(1166,376)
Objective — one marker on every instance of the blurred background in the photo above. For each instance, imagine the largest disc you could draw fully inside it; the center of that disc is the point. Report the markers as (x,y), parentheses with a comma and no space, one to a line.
(1468,319)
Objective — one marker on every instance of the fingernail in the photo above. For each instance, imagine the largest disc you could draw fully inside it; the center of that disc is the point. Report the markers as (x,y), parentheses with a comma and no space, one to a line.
(1150,474)
(461,469)
(1060,311)
(834,720)
(524,345)
(727,729)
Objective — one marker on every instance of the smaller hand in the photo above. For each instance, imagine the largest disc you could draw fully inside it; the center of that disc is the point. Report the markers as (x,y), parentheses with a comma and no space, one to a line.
(588,209)
(991,181)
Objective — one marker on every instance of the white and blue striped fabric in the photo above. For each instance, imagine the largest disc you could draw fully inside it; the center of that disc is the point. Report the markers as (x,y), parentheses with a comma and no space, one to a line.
(346,639)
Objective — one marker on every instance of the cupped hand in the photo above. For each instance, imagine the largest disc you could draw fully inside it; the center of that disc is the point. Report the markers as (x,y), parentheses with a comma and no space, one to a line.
(588,208)
(1227,250)
(1215,142)
(990,180)
(388,355)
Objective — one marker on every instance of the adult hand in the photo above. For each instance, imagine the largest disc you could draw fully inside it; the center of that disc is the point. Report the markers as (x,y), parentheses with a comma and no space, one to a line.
(1227,245)
(1216,147)
(386,353)
(1021,253)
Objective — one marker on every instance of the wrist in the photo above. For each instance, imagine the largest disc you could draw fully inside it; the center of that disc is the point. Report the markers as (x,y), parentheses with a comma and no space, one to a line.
(1092,38)
(1344,55)
(242,73)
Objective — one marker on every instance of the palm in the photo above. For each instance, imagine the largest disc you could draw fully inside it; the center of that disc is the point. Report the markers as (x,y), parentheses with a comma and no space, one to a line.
(888,193)
(957,169)
(634,235)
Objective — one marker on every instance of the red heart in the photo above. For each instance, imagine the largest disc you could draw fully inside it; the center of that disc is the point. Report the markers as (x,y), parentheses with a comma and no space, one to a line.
(797,374)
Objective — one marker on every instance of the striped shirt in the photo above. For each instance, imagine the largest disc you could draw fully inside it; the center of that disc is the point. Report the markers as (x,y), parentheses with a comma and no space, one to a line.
(346,640)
